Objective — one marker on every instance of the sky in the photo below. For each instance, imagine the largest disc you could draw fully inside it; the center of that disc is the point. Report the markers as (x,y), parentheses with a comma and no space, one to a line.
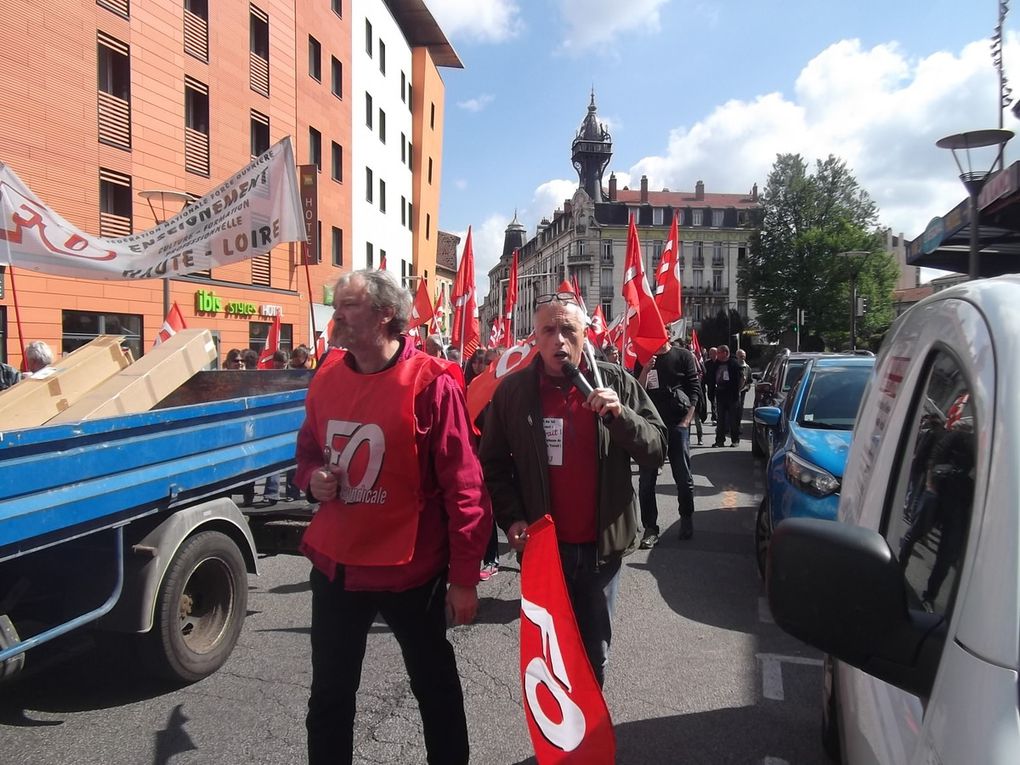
(712,90)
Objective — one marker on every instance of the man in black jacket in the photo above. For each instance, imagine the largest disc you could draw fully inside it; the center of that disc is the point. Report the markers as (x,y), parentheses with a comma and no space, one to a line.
(728,382)
(671,379)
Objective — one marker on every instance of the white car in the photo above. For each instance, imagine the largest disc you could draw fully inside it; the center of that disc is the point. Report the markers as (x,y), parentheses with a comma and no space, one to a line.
(915,595)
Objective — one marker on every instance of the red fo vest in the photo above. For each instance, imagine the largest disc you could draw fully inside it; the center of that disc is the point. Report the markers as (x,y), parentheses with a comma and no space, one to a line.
(367,427)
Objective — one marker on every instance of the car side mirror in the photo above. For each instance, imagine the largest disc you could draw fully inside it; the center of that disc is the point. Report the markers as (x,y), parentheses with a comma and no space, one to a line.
(768,415)
(840,588)
(763,388)
(756,376)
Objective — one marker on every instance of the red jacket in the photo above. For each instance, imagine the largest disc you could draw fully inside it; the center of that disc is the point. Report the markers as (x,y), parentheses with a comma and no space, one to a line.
(456,521)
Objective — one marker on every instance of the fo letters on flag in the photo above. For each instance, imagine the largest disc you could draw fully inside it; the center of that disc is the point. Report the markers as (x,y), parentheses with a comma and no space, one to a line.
(567,714)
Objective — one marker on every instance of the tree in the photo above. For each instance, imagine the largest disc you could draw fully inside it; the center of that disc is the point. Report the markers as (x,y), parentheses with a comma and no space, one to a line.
(721,329)
(794,262)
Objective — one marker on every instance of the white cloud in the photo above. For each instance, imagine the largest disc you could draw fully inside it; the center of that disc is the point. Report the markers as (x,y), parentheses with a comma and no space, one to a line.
(490,21)
(877,109)
(476,104)
(595,22)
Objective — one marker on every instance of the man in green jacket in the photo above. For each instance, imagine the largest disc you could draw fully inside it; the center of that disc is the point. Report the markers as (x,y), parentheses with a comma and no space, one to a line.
(548,449)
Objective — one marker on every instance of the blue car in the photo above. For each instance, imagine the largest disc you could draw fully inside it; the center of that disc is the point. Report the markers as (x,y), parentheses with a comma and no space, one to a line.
(811,438)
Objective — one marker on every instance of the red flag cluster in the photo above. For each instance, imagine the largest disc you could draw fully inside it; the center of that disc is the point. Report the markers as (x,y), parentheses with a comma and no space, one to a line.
(644,329)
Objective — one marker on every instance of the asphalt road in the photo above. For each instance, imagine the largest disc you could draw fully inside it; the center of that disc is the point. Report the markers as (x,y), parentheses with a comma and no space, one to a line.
(698,673)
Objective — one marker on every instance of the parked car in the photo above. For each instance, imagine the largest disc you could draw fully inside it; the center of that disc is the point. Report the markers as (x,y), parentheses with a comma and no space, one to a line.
(776,381)
(811,437)
(915,594)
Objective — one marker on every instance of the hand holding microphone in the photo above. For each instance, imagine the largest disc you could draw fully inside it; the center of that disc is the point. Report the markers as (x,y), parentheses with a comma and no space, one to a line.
(603,401)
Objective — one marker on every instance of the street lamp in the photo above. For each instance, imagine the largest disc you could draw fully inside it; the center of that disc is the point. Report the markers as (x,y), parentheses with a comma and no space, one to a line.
(974,180)
(164,196)
(856,259)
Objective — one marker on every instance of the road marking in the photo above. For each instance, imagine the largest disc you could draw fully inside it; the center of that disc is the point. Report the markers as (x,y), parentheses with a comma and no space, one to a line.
(729,500)
(764,612)
(774,761)
(772,672)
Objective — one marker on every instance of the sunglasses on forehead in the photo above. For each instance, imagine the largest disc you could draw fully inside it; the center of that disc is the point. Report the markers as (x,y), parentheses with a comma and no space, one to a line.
(559,297)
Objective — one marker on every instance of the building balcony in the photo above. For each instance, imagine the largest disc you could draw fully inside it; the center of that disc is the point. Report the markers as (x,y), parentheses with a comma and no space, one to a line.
(606,294)
(585,259)
(196,152)
(114,121)
(258,74)
(196,37)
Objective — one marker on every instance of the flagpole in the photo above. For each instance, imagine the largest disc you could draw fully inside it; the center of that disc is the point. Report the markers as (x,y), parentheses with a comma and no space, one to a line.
(17,315)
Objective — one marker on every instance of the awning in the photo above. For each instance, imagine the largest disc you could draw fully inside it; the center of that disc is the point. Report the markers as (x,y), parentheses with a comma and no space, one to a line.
(945,243)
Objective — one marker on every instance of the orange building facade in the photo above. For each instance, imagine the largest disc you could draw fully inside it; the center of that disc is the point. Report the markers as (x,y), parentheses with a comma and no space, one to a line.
(108,99)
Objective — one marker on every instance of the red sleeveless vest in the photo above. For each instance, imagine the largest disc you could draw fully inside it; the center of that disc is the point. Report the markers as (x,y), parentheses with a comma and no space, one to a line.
(367,428)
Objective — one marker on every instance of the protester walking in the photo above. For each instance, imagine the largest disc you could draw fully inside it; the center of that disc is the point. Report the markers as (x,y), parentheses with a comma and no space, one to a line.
(728,382)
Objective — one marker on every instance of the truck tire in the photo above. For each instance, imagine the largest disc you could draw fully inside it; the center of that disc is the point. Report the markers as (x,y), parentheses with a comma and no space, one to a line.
(200,608)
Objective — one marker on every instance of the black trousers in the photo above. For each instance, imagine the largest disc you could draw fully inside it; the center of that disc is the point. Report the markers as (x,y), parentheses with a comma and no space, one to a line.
(729,411)
(340,624)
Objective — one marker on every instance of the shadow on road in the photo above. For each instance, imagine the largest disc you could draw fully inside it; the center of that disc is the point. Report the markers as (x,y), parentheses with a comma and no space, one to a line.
(751,734)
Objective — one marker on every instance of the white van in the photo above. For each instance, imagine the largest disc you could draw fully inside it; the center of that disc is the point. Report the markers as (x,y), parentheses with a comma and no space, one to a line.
(915,595)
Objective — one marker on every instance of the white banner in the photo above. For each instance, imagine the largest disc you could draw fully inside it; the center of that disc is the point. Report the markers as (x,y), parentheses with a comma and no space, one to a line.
(257,209)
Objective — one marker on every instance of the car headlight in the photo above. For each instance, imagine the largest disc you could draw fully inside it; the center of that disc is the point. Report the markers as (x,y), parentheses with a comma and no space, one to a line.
(810,478)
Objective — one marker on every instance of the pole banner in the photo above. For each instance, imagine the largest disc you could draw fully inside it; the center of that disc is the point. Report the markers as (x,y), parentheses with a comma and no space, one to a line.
(252,212)
(567,715)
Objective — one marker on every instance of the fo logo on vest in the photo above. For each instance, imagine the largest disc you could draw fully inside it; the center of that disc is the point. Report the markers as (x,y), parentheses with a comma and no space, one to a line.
(344,442)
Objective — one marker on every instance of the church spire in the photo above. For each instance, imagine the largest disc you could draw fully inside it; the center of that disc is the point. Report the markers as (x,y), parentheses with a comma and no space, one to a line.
(591,151)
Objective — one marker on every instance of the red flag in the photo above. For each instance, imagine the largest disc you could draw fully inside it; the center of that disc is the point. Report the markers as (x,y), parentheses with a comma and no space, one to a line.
(496,333)
(439,316)
(576,288)
(272,345)
(668,286)
(172,324)
(511,301)
(567,714)
(422,311)
(382,262)
(696,350)
(323,342)
(466,332)
(597,329)
(645,328)
(479,392)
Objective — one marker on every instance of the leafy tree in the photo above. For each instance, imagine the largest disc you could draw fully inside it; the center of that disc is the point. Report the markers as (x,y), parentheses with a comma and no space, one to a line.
(716,329)
(794,262)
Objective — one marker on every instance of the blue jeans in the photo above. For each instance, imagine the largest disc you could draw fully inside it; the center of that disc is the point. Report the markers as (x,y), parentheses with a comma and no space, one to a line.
(592,588)
(678,449)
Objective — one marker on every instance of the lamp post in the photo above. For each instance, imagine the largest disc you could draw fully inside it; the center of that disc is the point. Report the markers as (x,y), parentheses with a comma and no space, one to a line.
(164,196)
(856,259)
(974,180)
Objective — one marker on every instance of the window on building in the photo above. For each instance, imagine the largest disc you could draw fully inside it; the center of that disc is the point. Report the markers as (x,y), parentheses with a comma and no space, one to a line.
(409,97)
(717,254)
(262,270)
(410,153)
(114,85)
(368,38)
(717,283)
(120,7)
(338,246)
(657,216)
(698,279)
(258,60)
(410,217)
(403,86)
(196,127)
(259,133)
(717,218)
(403,148)
(196,29)
(337,76)
(699,254)
(337,162)
(428,225)
(115,204)
(430,170)
(403,211)
(338,8)
(369,185)
(607,251)
(259,330)
(696,217)
(382,126)
(369,110)
(81,327)
(314,59)
(382,195)
(382,57)
(369,255)
(432,117)
(315,148)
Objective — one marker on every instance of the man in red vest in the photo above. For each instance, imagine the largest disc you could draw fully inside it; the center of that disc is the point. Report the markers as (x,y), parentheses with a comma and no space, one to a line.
(403,522)
(548,449)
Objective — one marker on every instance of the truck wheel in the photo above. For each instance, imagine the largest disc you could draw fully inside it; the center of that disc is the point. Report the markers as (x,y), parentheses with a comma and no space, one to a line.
(200,608)
(762,535)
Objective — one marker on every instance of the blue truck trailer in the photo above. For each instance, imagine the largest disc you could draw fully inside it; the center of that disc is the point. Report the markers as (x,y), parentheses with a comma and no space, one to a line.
(127,523)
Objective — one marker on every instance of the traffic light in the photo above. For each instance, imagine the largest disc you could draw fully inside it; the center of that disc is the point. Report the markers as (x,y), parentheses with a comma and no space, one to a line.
(862,306)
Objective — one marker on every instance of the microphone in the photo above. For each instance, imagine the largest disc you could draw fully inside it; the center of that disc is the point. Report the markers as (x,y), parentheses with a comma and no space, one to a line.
(572,373)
